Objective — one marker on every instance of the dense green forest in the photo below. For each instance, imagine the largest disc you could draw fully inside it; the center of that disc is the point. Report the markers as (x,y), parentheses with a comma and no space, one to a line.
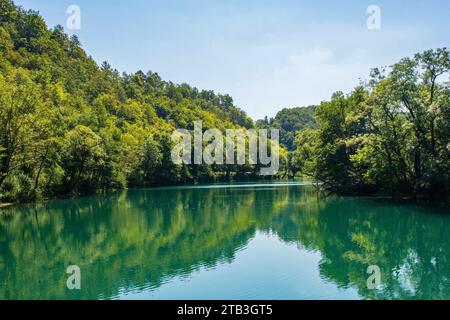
(389,136)
(69,126)
(290,121)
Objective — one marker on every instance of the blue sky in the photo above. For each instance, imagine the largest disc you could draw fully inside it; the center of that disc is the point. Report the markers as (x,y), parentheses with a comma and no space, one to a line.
(267,55)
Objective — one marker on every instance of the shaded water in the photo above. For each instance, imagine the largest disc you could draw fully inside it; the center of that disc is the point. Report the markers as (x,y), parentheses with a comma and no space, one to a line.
(241,241)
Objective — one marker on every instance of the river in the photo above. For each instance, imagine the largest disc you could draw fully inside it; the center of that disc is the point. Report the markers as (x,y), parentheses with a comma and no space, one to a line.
(234,241)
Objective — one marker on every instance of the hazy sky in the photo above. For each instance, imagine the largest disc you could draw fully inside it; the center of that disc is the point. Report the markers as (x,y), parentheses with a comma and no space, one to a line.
(266,54)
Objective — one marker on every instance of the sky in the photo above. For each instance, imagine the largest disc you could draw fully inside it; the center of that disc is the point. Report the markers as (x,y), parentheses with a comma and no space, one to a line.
(268,55)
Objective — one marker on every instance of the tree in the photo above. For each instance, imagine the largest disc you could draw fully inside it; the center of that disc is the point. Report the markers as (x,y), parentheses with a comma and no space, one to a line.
(83,159)
(390,136)
(19,114)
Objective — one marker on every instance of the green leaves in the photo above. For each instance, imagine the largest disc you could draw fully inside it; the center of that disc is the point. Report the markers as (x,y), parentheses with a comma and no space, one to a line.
(290,121)
(390,137)
(68,126)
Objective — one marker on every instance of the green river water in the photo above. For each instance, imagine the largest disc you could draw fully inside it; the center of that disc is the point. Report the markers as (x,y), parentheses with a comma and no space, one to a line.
(236,241)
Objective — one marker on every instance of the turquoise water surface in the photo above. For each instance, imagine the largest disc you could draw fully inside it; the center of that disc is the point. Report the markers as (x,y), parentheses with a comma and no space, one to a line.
(236,241)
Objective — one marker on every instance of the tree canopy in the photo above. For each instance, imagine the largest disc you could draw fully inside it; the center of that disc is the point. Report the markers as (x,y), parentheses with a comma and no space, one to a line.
(389,136)
(289,121)
(69,126)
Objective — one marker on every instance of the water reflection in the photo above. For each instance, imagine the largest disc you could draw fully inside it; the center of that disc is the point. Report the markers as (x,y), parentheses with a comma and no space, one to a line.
(139,239)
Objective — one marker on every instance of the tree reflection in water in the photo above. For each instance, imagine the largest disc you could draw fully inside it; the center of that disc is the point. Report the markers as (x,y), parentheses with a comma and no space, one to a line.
(137,240)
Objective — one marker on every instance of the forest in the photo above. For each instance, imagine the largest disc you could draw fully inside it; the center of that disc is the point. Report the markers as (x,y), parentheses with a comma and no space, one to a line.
(70,127)
(389,136)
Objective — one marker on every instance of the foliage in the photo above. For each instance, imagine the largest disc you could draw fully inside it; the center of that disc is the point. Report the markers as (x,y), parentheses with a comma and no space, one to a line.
(68,126)
(289,121)
(390,136)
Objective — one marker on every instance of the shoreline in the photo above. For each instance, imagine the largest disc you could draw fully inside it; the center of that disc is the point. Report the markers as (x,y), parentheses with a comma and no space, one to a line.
(403,199)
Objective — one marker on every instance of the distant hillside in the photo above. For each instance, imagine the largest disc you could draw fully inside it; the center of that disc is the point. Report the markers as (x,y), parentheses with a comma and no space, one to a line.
(290,121)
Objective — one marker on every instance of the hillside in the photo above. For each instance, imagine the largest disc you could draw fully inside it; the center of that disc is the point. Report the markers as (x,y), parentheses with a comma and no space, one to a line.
(290,121)
(69,126)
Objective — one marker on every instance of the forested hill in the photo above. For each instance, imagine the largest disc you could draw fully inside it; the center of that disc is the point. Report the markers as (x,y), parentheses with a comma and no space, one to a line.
(70,126)
(290,121)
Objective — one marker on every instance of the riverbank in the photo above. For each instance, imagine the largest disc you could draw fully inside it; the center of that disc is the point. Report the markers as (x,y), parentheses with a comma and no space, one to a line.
(219,182)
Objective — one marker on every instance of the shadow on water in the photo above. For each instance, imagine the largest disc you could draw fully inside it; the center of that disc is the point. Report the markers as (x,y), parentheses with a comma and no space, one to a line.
(141,239)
